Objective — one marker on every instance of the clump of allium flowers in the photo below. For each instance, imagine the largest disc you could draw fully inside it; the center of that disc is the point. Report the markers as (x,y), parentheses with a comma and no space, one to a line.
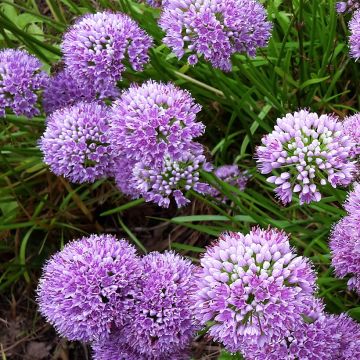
(171,179)
(63,90)
(252,288)
(327,338)
(354,40)
(97,47)
(85,286)
(75,142)
(21,78)
(214,29)
(152,120)
(347,6)
(351,126)
(345,242)
(304,153)
(232,175)
(162,319)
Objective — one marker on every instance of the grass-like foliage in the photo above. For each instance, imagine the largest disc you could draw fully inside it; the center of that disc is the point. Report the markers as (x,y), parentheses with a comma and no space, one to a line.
(306,65)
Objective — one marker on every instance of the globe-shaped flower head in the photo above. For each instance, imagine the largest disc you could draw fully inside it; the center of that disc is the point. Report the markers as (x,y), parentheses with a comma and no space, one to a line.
(21,79)
(75,142)
(352,129)
(327,338)
(115,348)
(173,178)
(304,153)
(214,29)
(87,284)
(354,40)
(162,320)
(151,120)
(345,242)
(64,90)
(252,288)
(97,47)
(347,6)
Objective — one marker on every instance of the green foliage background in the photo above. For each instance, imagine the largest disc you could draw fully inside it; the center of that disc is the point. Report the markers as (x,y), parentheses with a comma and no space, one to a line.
(306,65)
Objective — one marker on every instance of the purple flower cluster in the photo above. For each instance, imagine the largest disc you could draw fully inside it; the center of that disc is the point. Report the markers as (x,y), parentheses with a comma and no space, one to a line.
(64,90)
(75,142)
(171,178)
(347,6)
(98,290)
(164,320)
(232,175)
(253,288)
(304,153)
(97,47)
(152,137)
(21,79)
(327,338)
(351,126)
(345,242)
(214,29)
(86,285)
(354,40)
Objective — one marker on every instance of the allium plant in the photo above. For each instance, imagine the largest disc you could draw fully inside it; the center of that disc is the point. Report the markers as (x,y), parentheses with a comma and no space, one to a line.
(115,348)
(85,286)
(152,120)
(304,153)
(97,47)
(354,40)
(345,242)
(214,29)
(171,179)
(162,320)
(327,338)
(21,78)
(347,6)
(252,288)
(351,126)
(63,90)
(75,142)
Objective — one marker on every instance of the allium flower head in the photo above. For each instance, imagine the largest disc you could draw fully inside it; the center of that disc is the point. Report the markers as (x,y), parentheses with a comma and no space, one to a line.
(151,120)
(347,6)
(84,287)
(214,29)
(97,47)
(354,40)
(327,338)
(163,321)
(345,242)
(63,90)
(232,175)
(305,152)
(115,348)
(75,142)
(351,126)
(252,288)
(171,179)
(20,80)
